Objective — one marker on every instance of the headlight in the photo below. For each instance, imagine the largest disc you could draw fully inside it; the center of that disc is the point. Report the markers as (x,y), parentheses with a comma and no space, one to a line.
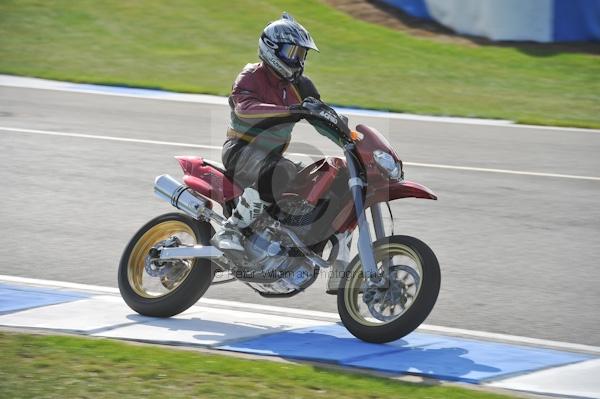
(388,164)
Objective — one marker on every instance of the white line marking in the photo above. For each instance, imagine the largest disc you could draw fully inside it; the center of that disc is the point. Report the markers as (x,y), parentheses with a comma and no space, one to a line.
(149,94)
(319,314)
(146,94)
(506,171)
(58,284)
(109,138)
(215,147)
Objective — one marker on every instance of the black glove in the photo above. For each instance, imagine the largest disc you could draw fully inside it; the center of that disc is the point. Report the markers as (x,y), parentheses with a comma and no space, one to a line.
(311,106)
(296,109)
(311,102)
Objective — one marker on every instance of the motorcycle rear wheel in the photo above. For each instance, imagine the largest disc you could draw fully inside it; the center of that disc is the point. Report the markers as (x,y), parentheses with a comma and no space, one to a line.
(413,285)
(149,295)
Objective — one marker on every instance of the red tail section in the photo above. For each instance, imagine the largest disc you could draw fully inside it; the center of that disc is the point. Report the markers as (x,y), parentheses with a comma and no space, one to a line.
(207,179)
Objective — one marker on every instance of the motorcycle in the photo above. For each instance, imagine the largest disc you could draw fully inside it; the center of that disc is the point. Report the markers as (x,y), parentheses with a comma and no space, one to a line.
(385,292)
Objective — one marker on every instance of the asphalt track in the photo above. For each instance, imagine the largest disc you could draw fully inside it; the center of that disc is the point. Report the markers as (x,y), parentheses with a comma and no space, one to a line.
(519,252)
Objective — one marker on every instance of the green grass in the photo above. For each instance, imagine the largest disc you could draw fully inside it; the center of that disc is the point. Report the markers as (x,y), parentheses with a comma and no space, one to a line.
(36,366)
(200,46)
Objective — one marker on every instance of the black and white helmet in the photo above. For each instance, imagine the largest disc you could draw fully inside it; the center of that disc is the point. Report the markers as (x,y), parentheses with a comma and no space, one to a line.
(283,46)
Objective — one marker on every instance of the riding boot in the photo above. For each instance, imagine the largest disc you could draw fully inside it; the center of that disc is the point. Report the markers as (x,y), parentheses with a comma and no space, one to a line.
(248,208)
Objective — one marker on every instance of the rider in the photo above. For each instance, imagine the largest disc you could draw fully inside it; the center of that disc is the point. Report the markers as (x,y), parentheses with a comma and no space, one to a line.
(265,104)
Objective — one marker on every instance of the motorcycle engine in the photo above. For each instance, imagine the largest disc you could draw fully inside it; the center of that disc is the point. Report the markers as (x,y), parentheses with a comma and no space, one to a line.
(272,270)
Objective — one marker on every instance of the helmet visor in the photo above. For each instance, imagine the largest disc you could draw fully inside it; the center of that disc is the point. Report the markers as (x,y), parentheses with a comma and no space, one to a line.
(292,55)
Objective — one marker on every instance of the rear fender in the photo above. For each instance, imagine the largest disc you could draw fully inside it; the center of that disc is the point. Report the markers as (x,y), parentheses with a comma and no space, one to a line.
(208,180)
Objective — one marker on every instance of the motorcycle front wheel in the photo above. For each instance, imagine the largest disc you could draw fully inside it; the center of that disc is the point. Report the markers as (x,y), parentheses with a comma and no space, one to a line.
(410,285)
(165,288)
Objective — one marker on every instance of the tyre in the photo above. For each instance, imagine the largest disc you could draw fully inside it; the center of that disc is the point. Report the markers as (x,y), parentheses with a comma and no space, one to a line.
(171,287)
(402,303)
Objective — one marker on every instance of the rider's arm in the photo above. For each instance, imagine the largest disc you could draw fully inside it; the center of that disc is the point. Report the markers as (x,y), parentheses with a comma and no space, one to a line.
(246,102)
(247,105)
(306,88)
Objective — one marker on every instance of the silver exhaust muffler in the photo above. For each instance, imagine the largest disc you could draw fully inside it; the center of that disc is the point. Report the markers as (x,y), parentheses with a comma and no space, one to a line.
(184,198)
(195,205)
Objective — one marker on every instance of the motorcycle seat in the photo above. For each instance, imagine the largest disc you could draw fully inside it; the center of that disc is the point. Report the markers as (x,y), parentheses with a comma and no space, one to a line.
(215,164)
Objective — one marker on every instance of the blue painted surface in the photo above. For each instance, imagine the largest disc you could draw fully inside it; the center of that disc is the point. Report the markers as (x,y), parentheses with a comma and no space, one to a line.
(416,8)
(326,343)
(15,298)
(467,360)
(435,356)
(360,111)
(576,20)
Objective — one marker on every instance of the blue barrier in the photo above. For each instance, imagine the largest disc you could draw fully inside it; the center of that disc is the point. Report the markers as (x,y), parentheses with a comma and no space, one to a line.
(416,8)
(576,20)
(515,20)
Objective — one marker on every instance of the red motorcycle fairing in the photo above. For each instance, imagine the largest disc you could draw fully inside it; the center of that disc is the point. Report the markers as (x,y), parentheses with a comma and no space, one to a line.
(207,179)
(379,187)
(313,182)
(373,140)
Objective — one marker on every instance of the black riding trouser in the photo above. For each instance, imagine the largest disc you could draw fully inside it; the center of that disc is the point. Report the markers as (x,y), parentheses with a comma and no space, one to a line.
(251,165)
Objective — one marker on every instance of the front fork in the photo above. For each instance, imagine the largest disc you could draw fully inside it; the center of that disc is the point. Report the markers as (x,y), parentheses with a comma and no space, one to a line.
(365,243)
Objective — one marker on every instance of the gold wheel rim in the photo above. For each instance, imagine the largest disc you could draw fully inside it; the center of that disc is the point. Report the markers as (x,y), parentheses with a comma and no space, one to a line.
(356,278)
(136,270)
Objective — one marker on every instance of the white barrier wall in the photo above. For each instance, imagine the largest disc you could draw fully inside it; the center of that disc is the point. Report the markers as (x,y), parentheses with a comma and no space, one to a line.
(515,20)
(497,20)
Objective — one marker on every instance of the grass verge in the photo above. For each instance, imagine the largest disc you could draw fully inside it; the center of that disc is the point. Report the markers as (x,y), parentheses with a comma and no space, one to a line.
(40,366)
(200,46)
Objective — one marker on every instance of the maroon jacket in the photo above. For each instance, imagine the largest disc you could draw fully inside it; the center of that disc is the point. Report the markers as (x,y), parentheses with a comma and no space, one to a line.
(260,103)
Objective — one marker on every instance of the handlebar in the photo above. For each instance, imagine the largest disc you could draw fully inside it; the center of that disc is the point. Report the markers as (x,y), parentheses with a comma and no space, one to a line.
(314,110)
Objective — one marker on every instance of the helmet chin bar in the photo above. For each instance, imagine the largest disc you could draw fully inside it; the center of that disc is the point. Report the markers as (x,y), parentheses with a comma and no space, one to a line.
(282,70)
